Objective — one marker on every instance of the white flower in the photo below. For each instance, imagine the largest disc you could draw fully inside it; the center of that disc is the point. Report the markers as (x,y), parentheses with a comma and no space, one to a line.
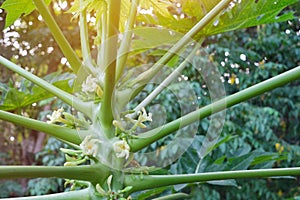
(143,117)
(90,146)
(121,149)
(90,84)
(118,124)
(55,117)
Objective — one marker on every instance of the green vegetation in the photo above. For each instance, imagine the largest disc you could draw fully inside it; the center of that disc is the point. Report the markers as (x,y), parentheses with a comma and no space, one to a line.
(150,99)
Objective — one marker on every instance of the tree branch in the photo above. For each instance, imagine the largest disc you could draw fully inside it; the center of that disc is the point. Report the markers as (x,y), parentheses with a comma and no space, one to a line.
(153,135)
(73,195)
(83,107)
(153,181)
(63,133)
(106,111)
(126,41)
(94,173)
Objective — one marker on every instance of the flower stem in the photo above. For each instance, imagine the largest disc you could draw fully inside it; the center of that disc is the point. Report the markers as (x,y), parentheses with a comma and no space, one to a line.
(73,195)
(155,134)
(94,173)
(106,111)
(83,107)
(58,35)
(155,181)
(59,132)
(102,29)
(125,43)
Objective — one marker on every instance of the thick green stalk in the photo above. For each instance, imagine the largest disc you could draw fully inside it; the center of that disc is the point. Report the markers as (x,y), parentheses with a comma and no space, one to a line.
(92,173)
(106,112)
(154,181)
(59,37)
(153,135)
(63,133)
(83,107)
(126,41)
(186,39)
(73,195)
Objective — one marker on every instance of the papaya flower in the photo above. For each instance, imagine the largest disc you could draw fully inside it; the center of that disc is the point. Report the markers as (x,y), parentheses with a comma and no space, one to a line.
(121,149)
(90,84)
(56,116)
(89,146)
(143,117)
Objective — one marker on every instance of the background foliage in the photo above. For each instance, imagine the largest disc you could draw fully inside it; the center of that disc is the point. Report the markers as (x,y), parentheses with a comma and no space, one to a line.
(261,133)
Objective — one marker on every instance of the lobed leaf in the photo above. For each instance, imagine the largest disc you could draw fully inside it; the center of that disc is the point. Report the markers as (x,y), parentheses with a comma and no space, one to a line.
(13,98)
(250,13)
(15,9)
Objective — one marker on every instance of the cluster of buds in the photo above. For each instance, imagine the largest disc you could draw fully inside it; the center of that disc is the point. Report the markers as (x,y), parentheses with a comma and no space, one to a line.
(139,122)
(121,147)
(59,116)
(111,194)
(89,148)
(56,117)
(89,87)
(143,117)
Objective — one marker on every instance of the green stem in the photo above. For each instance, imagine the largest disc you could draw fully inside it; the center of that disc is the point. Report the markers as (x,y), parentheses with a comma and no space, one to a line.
(102,29)
(155,134)
(154,181)
(85,46)
(58,35)
(186,39)
(168,80)
(110,70)
(73,195)
(173,197)
(125,43)
(83,107)
(63,133)
(94,173)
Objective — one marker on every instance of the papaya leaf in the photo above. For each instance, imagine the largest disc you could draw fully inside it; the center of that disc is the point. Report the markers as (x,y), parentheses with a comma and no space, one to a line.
(150,193)
(13,98)
(197,8)
(146,38)
(242,15)
(15,9)
(91,6)
(248,14)
(158,6)
(229,182)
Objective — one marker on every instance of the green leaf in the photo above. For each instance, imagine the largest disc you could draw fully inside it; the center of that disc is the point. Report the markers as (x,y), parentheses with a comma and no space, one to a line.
(146,38)
(14,98)
(173,196)
(198,8)
(15,8)
(91,6)
(250,13)
(242,15)
(158,6)
(229,182)
(150,193)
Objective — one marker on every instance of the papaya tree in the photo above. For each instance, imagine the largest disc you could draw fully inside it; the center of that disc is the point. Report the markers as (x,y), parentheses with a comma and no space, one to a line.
(119,138)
